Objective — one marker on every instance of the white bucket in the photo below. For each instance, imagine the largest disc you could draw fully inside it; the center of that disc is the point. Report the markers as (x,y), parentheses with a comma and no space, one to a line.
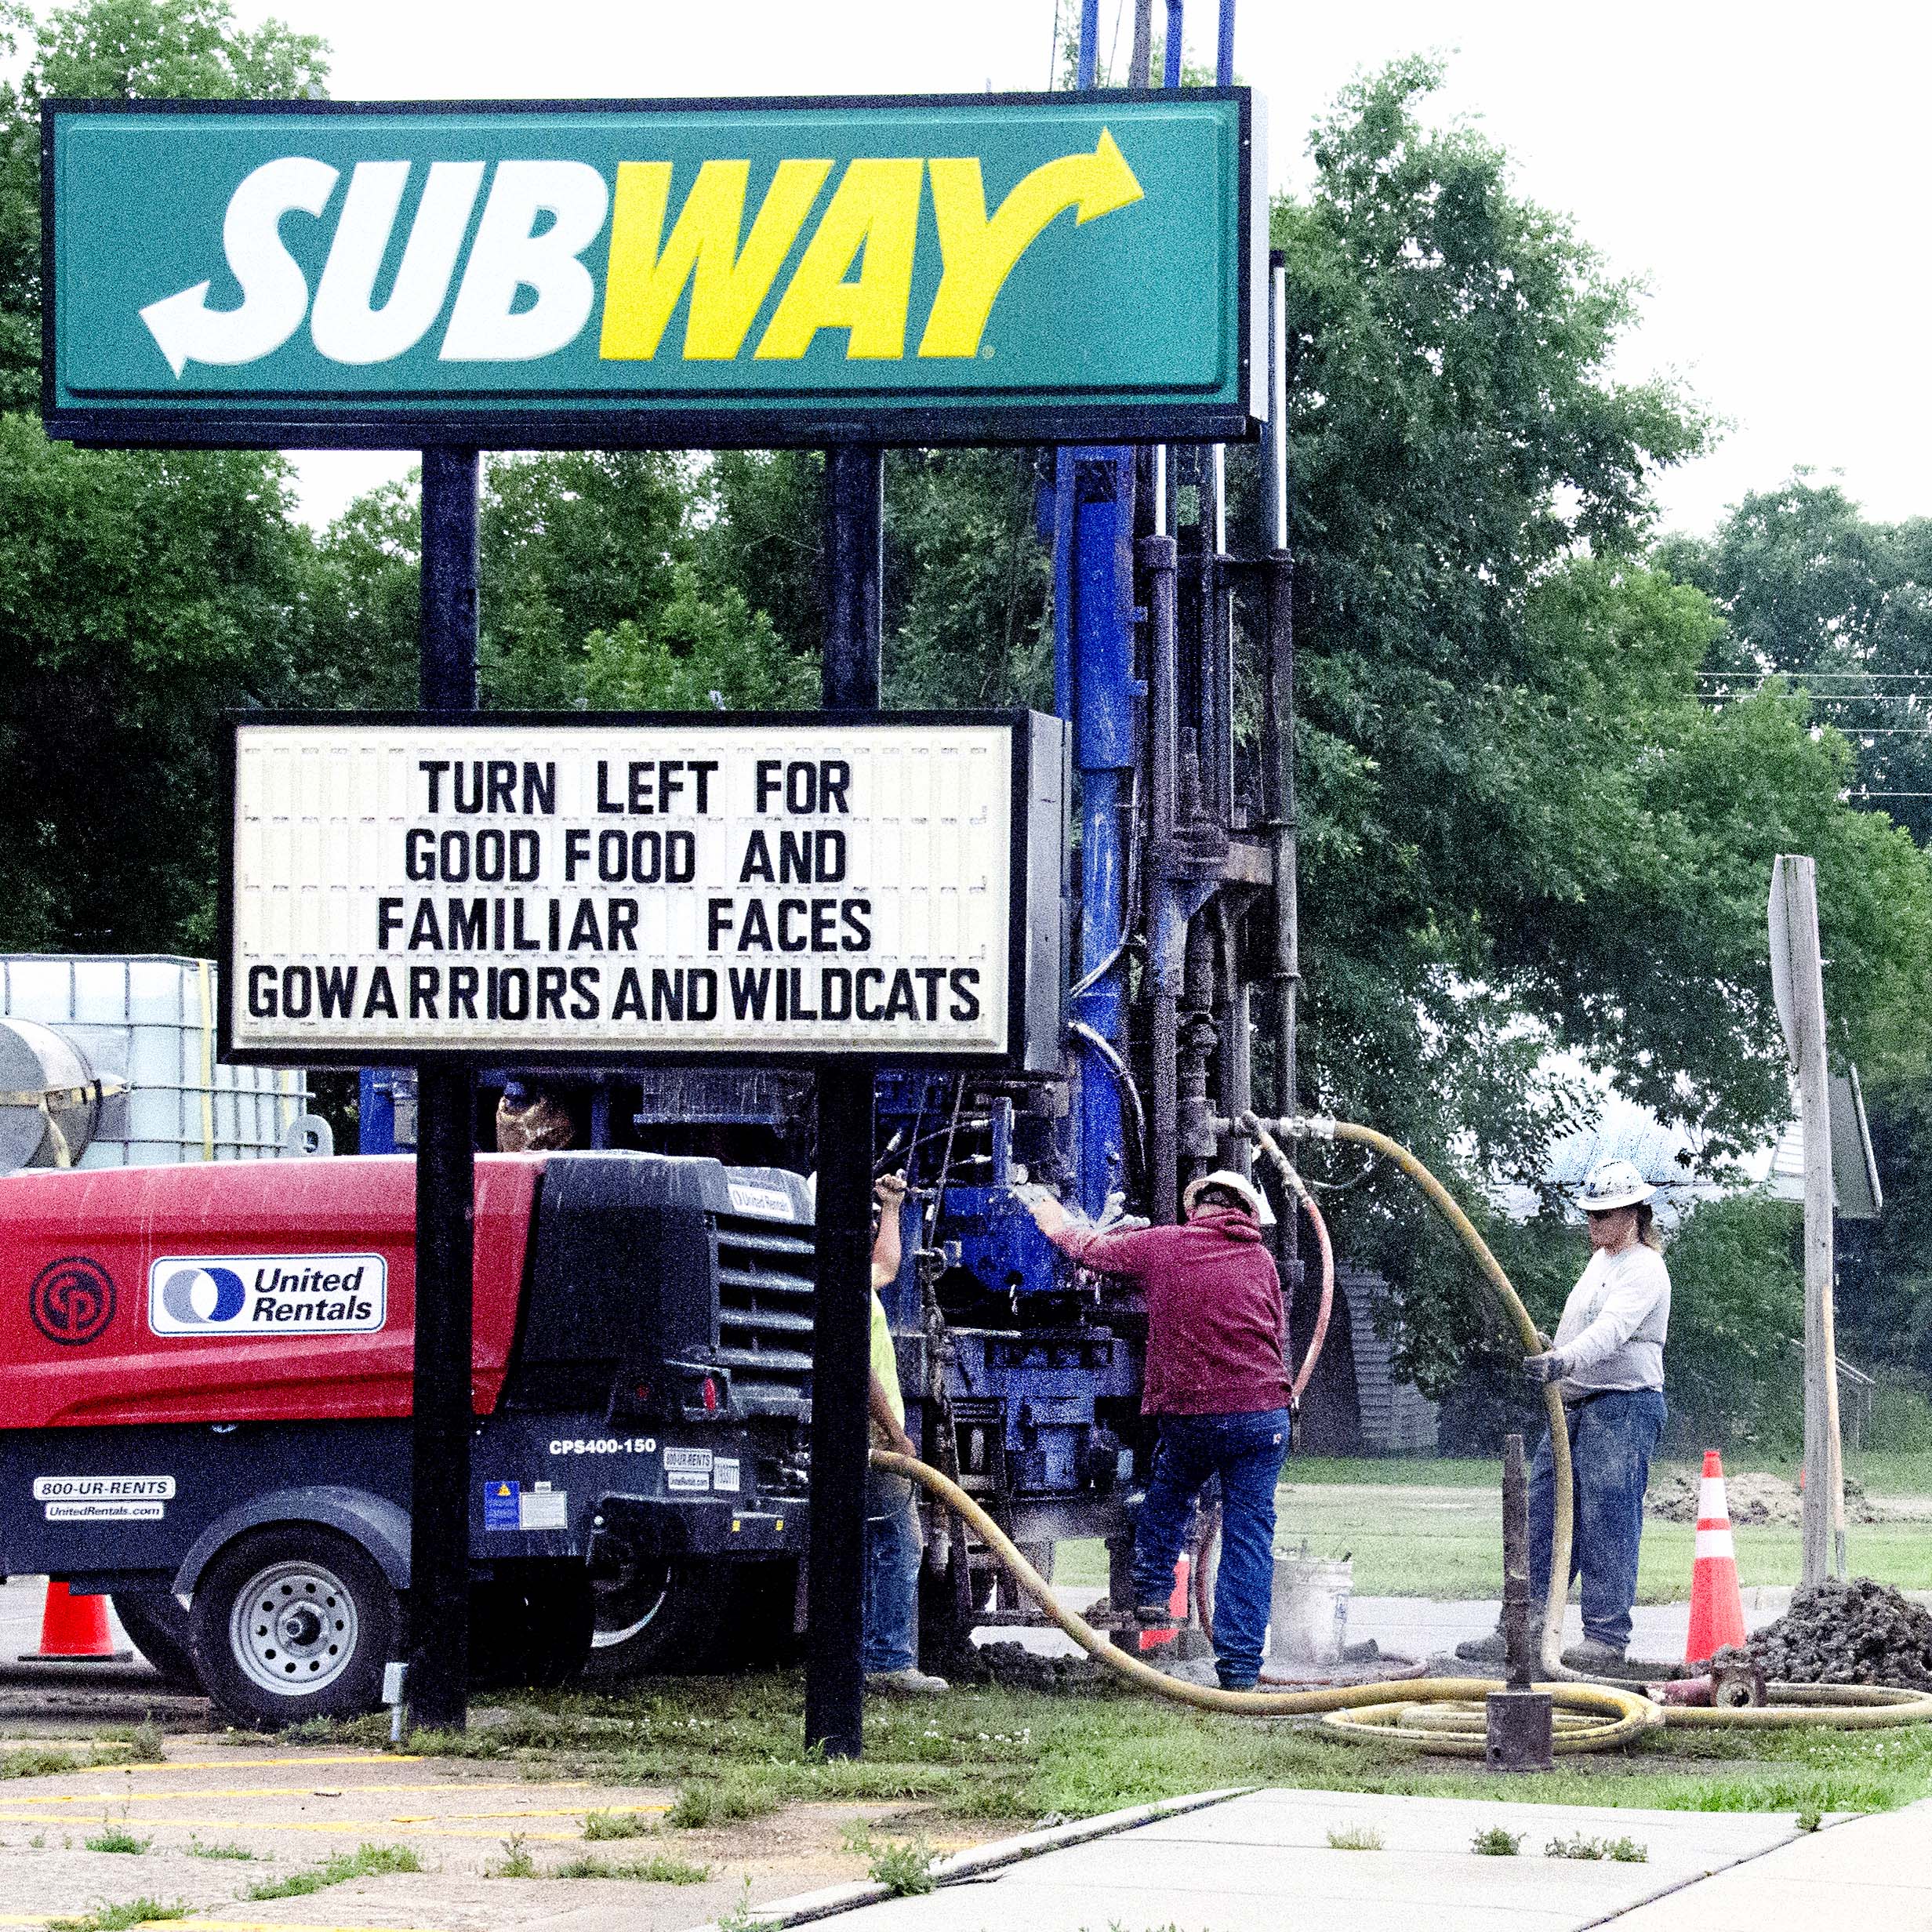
(1310,1620)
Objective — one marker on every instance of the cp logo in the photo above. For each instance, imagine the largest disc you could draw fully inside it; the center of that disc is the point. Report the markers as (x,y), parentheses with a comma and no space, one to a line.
(72,1300)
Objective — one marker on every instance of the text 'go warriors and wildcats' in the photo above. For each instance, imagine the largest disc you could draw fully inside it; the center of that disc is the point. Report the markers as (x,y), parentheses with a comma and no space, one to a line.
(711,894)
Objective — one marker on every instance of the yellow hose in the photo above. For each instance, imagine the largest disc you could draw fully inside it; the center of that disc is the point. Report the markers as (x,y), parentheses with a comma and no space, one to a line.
(1445,1203)
(1612,1716)
(1445,1715)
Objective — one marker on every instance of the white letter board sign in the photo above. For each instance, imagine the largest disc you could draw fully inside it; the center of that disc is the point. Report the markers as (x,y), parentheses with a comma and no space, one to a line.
(776,886)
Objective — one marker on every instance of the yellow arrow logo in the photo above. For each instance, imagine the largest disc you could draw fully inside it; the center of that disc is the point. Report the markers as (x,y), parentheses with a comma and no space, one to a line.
(979,254)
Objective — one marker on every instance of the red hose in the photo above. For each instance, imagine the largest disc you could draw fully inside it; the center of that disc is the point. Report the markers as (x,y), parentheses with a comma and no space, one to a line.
(1327,1288)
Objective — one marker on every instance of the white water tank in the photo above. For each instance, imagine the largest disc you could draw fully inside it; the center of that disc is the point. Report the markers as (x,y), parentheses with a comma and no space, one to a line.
(146,1023)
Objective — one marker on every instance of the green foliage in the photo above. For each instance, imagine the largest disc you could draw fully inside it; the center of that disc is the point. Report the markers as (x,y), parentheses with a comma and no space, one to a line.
(516,1862)
(237,1854)
(1619,1850)
(658,1870)
(113,1837)
(139,594)
(113,1918)
(122,50)
(1495,1842)
(1811,588)
(753,1791)
(1737,1306)
(365,1861)
(1354,1838)
(602,1824)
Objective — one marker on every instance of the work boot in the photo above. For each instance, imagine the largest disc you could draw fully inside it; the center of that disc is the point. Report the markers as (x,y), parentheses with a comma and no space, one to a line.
(1489,1650)
(906,1684)
(1595,1659)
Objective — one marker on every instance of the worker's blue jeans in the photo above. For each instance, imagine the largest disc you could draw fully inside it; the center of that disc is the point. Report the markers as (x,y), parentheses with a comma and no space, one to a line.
(892,1553)
(1246,1451)
(1611,1437)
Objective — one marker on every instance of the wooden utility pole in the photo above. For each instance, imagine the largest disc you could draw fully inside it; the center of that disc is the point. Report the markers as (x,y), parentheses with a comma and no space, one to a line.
(1798,976)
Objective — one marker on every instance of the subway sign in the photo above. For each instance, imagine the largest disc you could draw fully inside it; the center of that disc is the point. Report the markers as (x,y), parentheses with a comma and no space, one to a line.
(951,269)
(774,886)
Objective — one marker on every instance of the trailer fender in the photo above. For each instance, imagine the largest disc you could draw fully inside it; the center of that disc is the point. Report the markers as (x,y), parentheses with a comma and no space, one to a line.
(373,1521)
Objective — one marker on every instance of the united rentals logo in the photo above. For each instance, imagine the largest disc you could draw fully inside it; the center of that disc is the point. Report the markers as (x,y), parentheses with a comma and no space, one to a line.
(525,292)
(254,1294)
(72,1300)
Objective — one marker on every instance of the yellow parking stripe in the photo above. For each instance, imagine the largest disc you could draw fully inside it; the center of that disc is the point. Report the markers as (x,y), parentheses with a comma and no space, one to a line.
(206,1925)
(345,1827)
(300,1791)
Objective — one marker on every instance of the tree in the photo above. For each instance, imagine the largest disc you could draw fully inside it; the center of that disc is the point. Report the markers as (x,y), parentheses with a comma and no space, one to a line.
(122,50)
(1837,607)
(1522,832)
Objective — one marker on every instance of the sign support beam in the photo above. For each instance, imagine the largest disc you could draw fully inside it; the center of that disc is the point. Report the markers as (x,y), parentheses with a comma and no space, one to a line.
(445,1205)
(855,518)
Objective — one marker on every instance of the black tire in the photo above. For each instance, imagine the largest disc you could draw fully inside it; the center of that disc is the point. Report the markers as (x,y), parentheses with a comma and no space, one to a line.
(158,1626)
(293,1623)
(530,1624)
(686,1615)
(658,1614)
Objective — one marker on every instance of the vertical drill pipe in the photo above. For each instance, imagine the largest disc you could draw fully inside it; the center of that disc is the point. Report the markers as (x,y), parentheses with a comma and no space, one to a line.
(1519,1644)
(1234,1090)
(1100,650)
(841,1315)
(438,1683)
(1138,61)
(1170,934)
(1089,43)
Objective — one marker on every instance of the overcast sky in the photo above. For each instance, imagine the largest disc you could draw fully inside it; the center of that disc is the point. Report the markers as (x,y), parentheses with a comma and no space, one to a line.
(1762,167)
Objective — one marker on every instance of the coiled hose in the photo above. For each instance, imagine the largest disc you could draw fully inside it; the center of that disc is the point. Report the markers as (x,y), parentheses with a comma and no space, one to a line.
(1446,1714)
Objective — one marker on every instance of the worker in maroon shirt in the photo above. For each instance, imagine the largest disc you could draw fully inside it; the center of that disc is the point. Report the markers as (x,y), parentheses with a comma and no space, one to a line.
(1216,1385)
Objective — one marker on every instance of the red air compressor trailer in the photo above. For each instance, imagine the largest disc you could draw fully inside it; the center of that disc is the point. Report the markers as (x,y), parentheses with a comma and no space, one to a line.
(205,1389)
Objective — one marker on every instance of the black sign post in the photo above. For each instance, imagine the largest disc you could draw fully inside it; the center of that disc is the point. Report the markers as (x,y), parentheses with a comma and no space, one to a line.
(841,1317)
(438,1687)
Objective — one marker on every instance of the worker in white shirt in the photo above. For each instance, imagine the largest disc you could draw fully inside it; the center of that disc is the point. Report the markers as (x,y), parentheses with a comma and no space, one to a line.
(1608,1361)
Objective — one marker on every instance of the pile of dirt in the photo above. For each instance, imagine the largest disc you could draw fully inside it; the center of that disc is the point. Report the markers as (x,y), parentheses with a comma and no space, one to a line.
(1754,1498)
(1861,1632)
(1013,1667)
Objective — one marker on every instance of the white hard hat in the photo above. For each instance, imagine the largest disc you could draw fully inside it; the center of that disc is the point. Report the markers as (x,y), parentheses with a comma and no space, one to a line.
(1613,1184)
(1243,1190)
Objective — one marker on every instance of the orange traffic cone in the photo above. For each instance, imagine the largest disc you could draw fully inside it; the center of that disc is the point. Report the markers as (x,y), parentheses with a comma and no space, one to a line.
(1717,1604)
(73,1630)
(1176,1608)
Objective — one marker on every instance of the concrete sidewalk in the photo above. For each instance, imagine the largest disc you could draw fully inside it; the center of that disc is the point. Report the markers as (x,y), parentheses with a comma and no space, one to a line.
(1269,1858)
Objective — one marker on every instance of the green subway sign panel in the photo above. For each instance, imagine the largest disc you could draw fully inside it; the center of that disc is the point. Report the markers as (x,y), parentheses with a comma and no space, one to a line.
(959,269)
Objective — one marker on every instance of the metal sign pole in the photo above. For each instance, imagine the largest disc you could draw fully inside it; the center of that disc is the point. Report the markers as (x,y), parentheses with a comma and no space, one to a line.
(441,1419)
(842,1305)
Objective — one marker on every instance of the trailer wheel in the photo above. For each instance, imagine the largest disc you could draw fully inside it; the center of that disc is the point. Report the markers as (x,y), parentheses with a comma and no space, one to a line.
(656,1614)
(157,1626)
(293,1623)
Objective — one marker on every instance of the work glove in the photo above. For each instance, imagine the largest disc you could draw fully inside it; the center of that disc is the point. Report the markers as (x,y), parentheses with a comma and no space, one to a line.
(1547,1367)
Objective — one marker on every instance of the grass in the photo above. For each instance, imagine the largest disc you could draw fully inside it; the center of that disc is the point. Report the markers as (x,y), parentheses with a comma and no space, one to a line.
(598,1824)
(1354,1838)
(904,1868)
(658,1870)
(195,1848)
(106,1918)
(1497,1844)
(747,1794)
(365,1861)
(735,1746)
(1448,1543)
(112,1837)
(516,1862)
(1618,1850)
(52,1760)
